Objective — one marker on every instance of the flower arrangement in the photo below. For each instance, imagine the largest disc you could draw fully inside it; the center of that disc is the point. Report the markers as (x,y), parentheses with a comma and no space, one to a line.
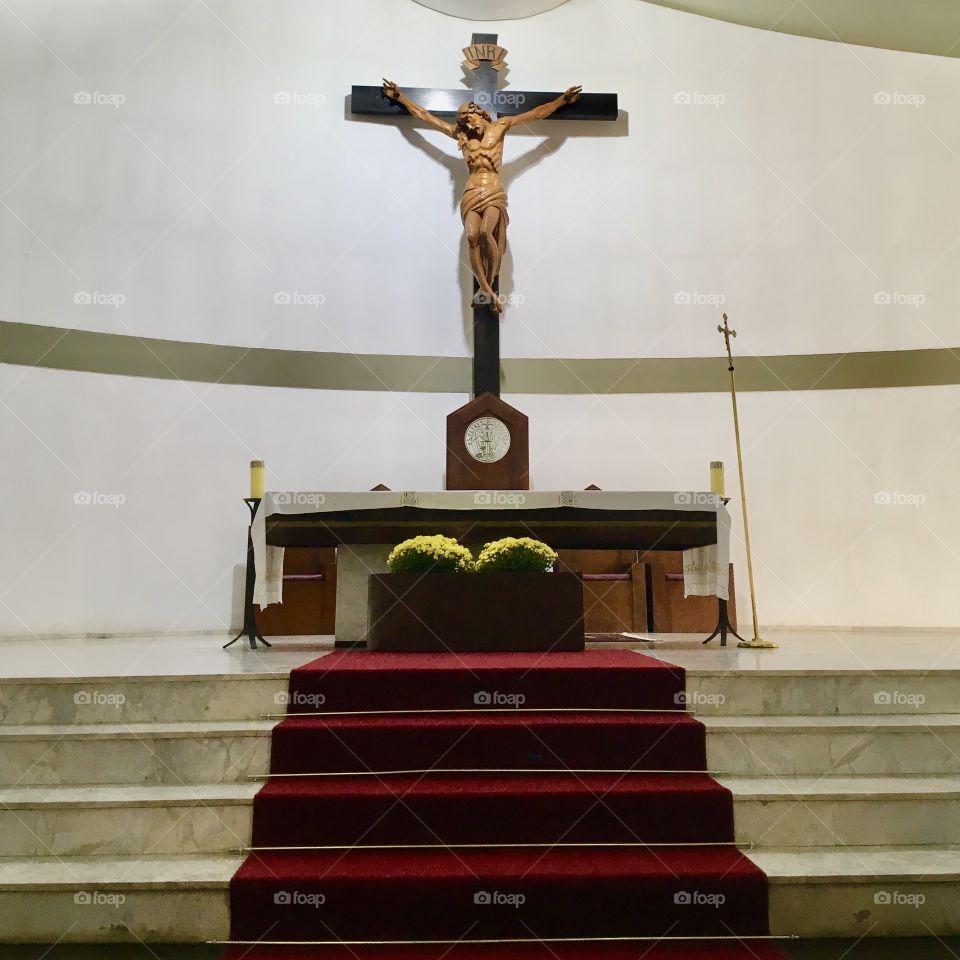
(436,554)
(516,555)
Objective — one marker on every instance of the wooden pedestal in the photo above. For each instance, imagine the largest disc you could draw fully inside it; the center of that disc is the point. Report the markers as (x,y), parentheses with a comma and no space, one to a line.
(511,472)
(476,612)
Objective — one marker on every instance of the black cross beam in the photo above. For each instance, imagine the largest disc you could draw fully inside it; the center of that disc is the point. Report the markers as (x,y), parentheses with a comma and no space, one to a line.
(485,61)
(485,71)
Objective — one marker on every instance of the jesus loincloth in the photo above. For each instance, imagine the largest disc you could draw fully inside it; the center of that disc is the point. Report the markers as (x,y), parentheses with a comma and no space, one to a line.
(478,200)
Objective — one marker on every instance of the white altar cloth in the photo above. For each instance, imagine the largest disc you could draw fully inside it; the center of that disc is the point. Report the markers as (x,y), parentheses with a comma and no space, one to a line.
(705,569)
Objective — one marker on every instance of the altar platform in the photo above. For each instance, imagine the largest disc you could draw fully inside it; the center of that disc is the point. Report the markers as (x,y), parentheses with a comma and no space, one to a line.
(129,766)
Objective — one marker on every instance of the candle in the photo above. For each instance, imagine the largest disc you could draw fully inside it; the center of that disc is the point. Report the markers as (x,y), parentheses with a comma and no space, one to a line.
(716,478)
(256,479)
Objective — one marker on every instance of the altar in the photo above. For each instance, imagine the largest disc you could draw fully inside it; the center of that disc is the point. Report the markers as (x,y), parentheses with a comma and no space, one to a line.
(364,526)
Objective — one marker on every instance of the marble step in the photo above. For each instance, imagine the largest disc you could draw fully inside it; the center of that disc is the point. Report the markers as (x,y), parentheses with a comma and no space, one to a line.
(212,752)
(863,891)
(845,811)
(115,899)
(821,692)
(833,746)
(203,697)
(144,753)
(814,892)
(126,820)
(157,699)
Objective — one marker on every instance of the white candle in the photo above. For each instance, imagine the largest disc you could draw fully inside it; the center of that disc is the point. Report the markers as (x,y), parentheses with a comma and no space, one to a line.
(716,478)
(257,479)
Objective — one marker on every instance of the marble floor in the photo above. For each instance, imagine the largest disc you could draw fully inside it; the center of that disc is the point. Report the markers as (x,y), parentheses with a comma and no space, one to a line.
(841,650)
(194,655)
(872,650)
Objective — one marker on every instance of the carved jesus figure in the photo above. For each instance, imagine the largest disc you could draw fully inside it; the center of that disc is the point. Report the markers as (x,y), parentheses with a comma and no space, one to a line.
(483,208)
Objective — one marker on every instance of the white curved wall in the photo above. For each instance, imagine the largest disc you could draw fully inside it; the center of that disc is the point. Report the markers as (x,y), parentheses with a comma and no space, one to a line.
(799,199)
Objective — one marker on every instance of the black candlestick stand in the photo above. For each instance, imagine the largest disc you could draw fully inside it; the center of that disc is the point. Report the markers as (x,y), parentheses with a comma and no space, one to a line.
(249,608)
(723,626)
(723,619)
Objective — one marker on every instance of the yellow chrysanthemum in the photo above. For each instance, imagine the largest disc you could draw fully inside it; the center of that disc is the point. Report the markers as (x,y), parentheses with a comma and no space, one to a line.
(435,554)
(522,554)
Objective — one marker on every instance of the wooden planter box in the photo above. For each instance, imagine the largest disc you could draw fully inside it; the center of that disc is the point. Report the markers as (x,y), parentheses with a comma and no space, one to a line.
(460,612)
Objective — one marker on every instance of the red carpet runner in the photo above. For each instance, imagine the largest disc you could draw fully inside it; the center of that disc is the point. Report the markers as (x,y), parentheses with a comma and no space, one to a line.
(424,841)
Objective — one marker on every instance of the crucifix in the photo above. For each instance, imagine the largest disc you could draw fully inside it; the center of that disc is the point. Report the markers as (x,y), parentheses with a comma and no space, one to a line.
(479,126)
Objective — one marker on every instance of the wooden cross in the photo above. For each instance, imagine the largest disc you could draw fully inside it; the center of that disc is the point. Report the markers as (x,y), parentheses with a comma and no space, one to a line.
(484,62)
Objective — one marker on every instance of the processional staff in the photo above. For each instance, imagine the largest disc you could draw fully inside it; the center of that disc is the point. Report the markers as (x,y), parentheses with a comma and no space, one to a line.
(757,642)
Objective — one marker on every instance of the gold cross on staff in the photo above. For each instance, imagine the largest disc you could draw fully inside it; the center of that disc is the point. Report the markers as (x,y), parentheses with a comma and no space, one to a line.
(757,642)
(727,334)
